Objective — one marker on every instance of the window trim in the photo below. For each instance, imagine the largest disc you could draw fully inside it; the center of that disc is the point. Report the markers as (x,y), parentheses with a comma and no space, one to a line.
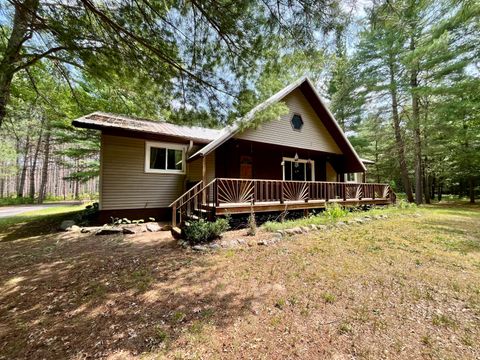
(167,146)
(351,181)
(305,161)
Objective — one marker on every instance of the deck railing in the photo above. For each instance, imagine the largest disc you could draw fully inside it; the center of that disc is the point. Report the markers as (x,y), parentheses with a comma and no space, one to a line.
(224,191)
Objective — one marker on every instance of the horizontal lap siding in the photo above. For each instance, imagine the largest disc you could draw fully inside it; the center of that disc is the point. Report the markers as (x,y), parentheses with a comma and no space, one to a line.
(313,135)
(195,168)
(125,185)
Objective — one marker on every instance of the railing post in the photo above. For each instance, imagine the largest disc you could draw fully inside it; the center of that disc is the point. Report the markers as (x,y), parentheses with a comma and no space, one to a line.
(281,192)
(326,191)
(215,186)
(373,195)
(344,188)
(254,191)
(362,192)
(174,215)
(308,192)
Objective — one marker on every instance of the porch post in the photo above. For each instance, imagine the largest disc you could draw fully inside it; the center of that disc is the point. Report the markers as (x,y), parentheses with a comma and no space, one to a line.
(204,178)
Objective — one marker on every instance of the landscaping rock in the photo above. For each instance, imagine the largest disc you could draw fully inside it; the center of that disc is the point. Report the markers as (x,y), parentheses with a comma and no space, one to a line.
(74,228)
(224,244)
(182,243)
(127,230)
(359,221)
(367,219)
(109,231)
(241,241)
(85,230)
(305,229)
(281,232)
(153,227)
(297,230)
(290,232)
(66,224)
(214,246)
(277,236)
(262,242)
(166,228)
(313,227)
(199,248)
(341,224)
(251,242)
(322,227)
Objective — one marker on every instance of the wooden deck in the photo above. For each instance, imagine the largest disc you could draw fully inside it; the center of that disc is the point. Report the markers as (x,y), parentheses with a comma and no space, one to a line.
(238,196)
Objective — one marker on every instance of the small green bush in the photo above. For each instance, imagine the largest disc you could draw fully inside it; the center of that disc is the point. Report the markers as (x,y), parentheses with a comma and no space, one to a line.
(403,204)
(334,211)
(201,231)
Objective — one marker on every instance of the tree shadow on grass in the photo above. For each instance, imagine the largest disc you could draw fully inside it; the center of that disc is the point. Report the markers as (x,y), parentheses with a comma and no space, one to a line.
(27,226)
(91,296)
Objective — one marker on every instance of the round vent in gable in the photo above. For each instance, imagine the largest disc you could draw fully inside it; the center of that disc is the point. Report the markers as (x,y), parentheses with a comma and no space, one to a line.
(297,122)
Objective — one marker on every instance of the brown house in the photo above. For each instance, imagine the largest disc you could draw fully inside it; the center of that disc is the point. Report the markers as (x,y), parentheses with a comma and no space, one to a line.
(300,161)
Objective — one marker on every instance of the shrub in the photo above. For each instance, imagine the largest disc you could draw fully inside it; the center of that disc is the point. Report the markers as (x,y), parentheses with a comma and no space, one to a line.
(334,211)
(202,231)
(403,204)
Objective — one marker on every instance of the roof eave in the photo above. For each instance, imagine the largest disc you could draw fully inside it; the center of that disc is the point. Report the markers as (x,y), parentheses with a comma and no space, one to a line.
(87,125)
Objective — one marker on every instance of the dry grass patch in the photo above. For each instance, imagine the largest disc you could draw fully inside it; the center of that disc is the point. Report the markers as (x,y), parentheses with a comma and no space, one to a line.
(406,287)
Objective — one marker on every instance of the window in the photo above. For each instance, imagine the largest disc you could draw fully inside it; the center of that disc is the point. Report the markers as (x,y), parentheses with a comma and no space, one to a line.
(299,170)
(164,158)
(350,177)
(297,122)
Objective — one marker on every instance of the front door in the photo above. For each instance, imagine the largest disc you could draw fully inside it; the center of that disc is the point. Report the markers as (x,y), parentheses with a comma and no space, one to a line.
(299,170)
(245,167)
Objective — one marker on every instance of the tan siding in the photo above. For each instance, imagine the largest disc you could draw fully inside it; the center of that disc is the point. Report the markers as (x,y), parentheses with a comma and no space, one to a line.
(124,183)
(331,173)
(313,136)
(194,172)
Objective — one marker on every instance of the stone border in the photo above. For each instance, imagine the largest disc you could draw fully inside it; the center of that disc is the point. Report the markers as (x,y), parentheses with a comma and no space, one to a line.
(283,234)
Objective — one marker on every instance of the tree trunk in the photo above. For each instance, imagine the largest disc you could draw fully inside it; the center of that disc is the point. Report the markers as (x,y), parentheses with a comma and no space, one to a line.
(34,166)
(22,20)
(428,189)
(399,143)
(23,174)
(416,129)
(471,186)
(439,192)
(43,184)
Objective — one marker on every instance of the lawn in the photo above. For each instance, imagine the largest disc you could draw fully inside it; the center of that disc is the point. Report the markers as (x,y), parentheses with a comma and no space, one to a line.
(406,287)
(37,222)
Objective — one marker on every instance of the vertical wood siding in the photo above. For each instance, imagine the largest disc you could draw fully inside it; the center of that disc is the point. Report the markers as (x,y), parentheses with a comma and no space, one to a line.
(124,183)
(313,135)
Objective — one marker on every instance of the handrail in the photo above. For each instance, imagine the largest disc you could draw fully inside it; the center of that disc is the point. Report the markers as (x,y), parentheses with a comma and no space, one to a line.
(306,181)
(230,190)
(186,193)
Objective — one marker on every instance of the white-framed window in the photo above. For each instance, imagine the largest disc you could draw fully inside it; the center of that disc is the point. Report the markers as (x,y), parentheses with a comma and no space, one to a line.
(350,177)
(164,158)
(298,169)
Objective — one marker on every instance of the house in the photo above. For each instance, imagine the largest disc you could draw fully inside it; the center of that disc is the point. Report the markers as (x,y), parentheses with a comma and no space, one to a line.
(301,160)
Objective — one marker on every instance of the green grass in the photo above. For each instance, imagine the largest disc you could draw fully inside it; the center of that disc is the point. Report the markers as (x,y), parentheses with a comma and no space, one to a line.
(38,222)
(326,217)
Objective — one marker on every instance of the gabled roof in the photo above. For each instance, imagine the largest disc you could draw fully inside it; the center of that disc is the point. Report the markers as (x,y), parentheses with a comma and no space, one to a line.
(314,98)
(102,121)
